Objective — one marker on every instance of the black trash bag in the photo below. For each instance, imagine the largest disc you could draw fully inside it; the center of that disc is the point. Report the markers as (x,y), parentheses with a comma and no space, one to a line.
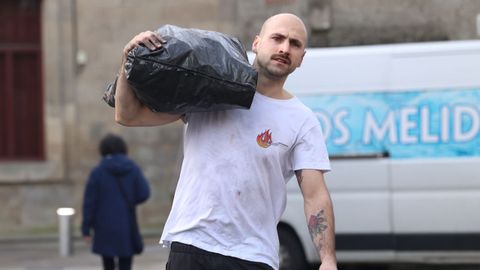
(195,70)
(109,94)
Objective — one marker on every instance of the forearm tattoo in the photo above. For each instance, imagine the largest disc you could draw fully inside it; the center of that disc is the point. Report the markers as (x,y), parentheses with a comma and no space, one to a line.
(317,226)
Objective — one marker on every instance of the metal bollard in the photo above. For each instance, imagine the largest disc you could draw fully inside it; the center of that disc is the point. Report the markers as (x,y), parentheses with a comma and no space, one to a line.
(65,231)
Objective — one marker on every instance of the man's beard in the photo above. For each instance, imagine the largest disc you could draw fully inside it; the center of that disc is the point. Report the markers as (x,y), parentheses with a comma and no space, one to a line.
(272,72)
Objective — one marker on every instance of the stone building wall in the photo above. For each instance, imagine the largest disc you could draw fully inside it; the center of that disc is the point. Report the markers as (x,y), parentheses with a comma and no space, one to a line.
(359,22)
(82,45)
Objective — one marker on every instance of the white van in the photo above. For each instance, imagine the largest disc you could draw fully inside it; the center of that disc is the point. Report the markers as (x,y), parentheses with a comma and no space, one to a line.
(402,125)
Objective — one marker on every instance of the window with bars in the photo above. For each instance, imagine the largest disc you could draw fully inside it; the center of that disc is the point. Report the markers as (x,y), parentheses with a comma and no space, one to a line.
(21,95)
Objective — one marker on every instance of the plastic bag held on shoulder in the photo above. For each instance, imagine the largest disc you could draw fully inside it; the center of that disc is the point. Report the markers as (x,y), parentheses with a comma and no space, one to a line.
(195,70)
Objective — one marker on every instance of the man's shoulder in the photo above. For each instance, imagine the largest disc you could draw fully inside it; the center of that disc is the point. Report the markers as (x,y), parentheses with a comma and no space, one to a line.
(300,106)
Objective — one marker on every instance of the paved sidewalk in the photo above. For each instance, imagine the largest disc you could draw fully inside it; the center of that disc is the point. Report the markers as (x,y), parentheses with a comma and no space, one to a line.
(44,255)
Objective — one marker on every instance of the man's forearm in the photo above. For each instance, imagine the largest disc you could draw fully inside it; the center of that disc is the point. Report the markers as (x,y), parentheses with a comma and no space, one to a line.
(321,226)
(319,215)
(126,103)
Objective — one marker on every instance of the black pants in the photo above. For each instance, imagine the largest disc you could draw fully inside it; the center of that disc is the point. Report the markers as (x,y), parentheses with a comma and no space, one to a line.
(187,257)
(124,263)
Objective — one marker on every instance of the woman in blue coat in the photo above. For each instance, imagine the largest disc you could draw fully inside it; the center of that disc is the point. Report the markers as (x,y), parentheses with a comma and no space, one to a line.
(115,186)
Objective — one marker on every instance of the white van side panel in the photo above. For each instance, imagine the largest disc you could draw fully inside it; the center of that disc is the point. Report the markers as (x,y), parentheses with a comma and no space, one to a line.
(449,67)
(436,211)
(338,73)
(436,196)
(387,67)
(447,174)
(361,192)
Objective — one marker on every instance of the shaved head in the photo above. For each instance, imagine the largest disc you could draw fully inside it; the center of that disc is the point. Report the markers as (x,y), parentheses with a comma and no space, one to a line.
(284,18)
(279,47)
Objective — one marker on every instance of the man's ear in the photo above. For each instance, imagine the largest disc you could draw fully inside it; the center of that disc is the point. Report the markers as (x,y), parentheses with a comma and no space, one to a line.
(255,44)
(301,60)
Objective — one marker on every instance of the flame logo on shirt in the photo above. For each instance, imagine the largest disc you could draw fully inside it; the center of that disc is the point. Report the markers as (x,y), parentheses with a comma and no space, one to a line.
(265,139)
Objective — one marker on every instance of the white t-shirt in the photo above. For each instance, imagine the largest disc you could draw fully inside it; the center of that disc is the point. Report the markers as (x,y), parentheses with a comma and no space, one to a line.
(232,187)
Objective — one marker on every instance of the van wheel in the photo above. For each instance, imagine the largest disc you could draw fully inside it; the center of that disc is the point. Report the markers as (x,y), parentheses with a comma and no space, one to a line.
(291,251)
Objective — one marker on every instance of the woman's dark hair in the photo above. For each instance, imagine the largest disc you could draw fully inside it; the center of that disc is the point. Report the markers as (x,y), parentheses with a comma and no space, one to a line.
(112,144)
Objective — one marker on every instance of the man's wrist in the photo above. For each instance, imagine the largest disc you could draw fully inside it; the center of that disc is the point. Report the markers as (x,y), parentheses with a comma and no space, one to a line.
(329,259)
(329,264)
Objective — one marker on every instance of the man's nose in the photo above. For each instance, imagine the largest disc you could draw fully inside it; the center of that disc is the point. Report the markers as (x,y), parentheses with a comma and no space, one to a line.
(285,47)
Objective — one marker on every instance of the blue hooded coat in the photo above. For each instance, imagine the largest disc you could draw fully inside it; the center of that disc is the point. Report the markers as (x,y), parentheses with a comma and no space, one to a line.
(105,210)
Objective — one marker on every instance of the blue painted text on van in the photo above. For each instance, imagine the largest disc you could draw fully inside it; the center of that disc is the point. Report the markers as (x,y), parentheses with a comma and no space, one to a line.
(442,123)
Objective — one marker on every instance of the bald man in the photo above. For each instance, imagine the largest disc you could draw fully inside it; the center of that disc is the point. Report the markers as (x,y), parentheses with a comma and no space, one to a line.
(232,187)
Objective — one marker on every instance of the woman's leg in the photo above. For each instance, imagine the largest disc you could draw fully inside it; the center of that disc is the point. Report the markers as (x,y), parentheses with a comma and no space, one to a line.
(108,263)
(125,263)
